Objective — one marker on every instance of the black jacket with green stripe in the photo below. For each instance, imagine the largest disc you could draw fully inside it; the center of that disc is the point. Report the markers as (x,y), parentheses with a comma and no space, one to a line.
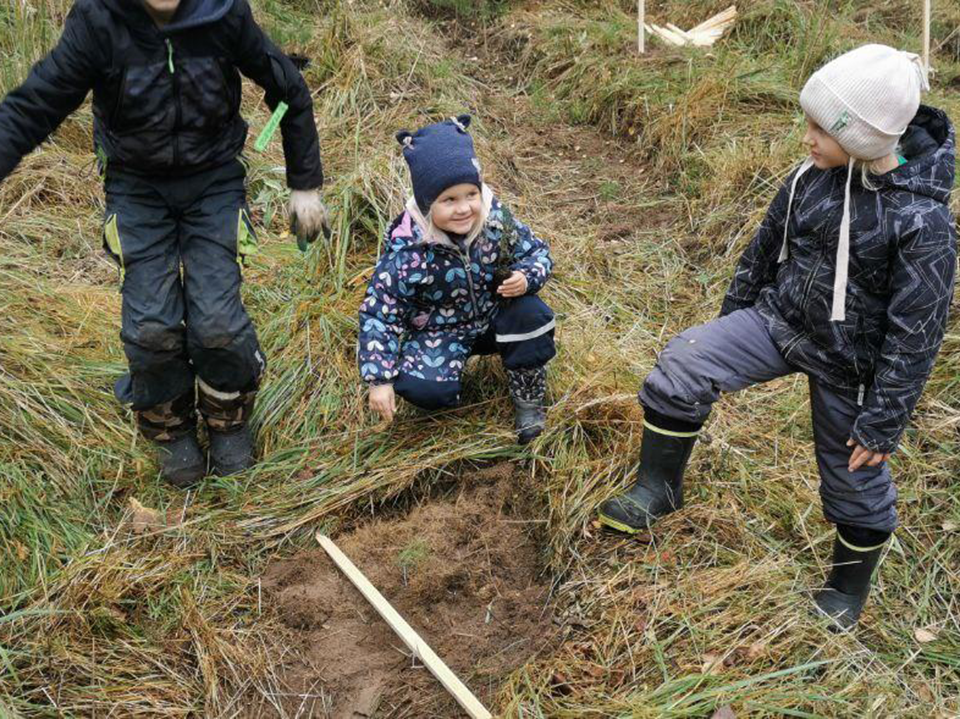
(166,101)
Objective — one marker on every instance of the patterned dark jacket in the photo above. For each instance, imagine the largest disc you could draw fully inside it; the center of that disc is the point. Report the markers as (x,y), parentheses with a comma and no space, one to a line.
(165,101)
(903,255)
(439,295)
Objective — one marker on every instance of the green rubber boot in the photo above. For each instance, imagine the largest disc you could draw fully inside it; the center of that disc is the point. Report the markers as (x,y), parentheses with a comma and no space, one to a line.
(658,490)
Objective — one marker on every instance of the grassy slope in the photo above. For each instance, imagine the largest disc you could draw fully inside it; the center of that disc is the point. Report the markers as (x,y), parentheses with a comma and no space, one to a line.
(711,613)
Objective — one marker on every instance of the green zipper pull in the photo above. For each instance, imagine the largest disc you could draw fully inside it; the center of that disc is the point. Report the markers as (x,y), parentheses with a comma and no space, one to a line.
(170,56)
(271,127)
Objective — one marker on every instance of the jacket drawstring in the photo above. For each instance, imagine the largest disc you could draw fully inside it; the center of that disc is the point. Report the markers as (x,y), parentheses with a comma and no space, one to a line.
(838,311)
(843,255)
(785,249)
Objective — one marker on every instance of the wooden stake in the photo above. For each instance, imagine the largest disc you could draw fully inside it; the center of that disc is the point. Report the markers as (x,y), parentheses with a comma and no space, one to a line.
(398,624)
(641,29)
(926,36)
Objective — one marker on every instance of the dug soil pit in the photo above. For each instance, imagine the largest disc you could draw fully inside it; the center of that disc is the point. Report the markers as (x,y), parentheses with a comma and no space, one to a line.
(464,571)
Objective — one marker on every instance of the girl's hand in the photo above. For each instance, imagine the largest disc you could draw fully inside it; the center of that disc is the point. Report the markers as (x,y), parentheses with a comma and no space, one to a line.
(383,401)
(862,456)
(514,286)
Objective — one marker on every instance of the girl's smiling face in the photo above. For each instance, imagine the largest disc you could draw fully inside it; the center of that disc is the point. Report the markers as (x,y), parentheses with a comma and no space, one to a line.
(824,150)
(457,209)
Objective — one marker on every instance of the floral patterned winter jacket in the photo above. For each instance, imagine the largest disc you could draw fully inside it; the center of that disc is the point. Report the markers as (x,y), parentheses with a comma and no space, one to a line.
(434,285)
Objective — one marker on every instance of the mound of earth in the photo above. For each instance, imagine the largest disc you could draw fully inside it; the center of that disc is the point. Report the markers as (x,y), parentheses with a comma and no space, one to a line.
(463,571)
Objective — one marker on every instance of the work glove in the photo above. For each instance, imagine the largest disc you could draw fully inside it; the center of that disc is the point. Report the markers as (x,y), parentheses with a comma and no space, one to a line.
(308,217)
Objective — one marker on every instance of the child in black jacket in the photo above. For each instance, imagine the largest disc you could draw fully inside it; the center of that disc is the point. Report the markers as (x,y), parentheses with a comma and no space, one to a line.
(168,135)
(849,280)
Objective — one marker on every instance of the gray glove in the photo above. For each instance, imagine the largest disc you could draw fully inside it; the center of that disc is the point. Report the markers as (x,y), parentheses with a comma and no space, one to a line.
(308,217)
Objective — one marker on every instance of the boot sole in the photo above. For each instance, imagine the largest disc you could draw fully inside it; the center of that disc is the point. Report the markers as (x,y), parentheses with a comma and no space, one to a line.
(618,525)
(185,480)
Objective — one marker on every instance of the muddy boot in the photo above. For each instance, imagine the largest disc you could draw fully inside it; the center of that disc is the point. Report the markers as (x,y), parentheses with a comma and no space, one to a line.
(658,490)
(847,588)
(227,415)
(173,426)
(528,389)
(182,463)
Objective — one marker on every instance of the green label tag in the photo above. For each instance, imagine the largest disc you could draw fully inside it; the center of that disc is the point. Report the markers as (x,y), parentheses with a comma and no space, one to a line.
(264,139)
(841,122)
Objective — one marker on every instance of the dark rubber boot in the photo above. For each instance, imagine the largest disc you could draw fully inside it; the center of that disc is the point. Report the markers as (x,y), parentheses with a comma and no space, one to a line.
(530,418)
(847,588)
(181,461)
(658,490)
(528,389)
(231,452)
(227,415)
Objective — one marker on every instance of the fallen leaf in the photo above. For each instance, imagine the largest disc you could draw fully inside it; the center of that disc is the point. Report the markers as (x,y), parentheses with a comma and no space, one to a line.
(926,693)
(925,636)
(950,526)
(712,664)
(724,713)
(756,650)
(143,520)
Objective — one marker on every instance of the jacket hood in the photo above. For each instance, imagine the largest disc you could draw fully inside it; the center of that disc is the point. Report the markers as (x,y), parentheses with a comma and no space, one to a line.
(190,13)
(929,147)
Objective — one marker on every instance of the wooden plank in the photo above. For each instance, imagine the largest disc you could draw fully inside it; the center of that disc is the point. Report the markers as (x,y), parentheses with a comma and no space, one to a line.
(667,35)
(927,10)
(722,18)
(470,704)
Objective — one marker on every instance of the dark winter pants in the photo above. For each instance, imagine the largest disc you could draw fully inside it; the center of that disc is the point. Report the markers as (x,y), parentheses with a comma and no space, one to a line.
(522,332)
(736,352)
(179,243)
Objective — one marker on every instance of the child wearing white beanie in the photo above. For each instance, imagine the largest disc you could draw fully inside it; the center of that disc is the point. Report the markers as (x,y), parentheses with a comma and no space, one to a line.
(849,280)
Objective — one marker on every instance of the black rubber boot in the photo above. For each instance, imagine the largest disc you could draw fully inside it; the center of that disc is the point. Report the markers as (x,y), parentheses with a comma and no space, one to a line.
(847,588)
(658,490)
(530,418)
(181,461)
(528,389)
(231,452)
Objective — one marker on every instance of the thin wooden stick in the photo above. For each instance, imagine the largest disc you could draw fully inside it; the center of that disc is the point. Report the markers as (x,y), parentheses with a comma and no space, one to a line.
(641,29)
(926,36)
(471,705)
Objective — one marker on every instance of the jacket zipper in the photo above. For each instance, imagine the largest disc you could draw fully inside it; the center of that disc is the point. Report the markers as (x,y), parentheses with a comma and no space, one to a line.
(115,119)
(176,99)
(465,259)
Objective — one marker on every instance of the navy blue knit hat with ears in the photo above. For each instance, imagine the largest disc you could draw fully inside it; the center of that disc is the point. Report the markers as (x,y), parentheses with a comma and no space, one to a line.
(440,156)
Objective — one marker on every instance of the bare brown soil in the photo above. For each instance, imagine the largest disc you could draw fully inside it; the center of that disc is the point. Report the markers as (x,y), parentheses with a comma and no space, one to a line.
(463,571)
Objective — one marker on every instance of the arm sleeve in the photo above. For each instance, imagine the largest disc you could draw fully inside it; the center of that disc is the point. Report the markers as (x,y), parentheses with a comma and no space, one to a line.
(758,265)
(923,285)
(384,313)
(55,87)
(532,258)
(268,66)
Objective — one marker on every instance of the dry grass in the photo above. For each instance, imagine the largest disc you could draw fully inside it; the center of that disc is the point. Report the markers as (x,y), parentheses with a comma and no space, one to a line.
(98,620)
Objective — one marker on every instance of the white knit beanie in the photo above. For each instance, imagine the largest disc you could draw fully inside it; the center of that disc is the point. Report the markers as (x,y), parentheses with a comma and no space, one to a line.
(865,98)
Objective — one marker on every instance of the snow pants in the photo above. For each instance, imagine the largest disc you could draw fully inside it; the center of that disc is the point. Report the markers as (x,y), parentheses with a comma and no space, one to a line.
(432,361)
(735,352)
(179,243)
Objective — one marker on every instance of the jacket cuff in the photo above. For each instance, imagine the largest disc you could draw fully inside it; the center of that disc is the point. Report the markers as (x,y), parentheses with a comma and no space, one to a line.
(874,445)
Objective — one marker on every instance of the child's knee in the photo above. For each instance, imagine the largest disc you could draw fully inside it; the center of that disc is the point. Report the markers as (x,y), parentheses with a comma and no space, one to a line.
(427,394)
(524,331)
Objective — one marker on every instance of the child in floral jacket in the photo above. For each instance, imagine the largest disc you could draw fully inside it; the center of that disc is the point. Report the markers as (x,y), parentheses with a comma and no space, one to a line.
(459,277)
